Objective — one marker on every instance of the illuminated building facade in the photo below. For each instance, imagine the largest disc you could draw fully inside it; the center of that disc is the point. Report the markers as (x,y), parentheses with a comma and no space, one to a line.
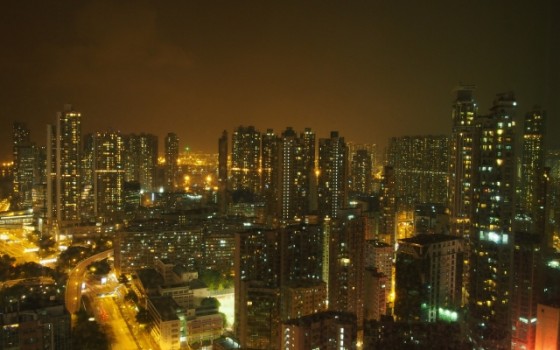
(420,165)
(527,284)
(23,158)
(246,160)
(108,175)
(376,290)
(257,286)
(462,162)
(361,172)
(379,257)
(333,175)
(303,298)
(388,202)
(490,276)
(171,158)
(326,330)
(532,196)
(64,148)
(346,266)
(552,229)
(278,277)
(301,253)
(270,168)
(139,247)
(429,278)
(296,172)
(548,327)
(223,173)
(46,328)
(140,157)
(87,195)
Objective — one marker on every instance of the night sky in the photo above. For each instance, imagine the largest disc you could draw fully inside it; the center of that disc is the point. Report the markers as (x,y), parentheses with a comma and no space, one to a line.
(369,69)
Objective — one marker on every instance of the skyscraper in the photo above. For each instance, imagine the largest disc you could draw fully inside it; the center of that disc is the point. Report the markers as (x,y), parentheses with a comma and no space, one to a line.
(388,202)
(295,172)
(347,266)
(492,237)
(361,172)
(64,148)
(527,284)
(333,175)
(270,161)
(420,166)
(223,172)
(462,162)
(257,286)
(246,160)
(140,157)
(108,175)
(429,278)
(23,158)
(532,193)
(171,157)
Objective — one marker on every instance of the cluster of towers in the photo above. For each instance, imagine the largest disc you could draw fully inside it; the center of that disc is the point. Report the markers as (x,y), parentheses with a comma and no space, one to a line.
(291,174)
(84,178)
(456,229)
(499,187)
(468,219)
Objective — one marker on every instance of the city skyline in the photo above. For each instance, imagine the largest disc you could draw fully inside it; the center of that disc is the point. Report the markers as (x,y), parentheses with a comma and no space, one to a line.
(370,70)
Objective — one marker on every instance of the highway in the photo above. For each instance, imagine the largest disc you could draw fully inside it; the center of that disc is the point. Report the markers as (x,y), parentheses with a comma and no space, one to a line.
(76,277)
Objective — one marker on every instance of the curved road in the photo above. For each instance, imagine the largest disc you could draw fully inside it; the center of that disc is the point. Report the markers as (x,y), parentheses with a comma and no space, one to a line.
(73,292)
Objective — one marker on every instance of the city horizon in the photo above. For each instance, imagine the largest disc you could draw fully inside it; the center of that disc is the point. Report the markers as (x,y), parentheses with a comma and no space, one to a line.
(371,71)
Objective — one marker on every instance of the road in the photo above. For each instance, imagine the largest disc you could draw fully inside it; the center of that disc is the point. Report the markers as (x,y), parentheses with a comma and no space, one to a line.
(31,280)
(107,313)
(14,243)
(76,277)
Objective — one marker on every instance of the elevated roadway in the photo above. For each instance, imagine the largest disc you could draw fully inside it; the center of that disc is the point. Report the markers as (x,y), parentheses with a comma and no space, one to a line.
(73,292)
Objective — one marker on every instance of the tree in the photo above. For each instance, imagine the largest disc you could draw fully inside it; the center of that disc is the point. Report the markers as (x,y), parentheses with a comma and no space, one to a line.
(7,264)
(100,267)
(143,317)
(88,335)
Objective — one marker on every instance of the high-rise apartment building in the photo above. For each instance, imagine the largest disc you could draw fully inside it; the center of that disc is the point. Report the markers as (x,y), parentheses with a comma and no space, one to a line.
(223,173)
(326,330)
(21,143)
(361,172)
(45,328)
(296,173)
(26,172)
(108,173)
(64,151)
(462,162)
(278,277)
(257,286)
(420,166)
(270,189)
(429,278)
(171,158)
(552,237)
(491,239)
(346,265)
(333,175)
(246,160)
(388,203)
(140,157)
(532,190)
(548,327)
(525,293)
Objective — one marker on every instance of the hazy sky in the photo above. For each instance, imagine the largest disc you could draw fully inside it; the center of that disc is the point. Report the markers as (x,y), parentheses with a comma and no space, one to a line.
(369,69)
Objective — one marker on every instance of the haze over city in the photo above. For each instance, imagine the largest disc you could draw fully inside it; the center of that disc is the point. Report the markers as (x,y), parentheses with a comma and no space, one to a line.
(371,70)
